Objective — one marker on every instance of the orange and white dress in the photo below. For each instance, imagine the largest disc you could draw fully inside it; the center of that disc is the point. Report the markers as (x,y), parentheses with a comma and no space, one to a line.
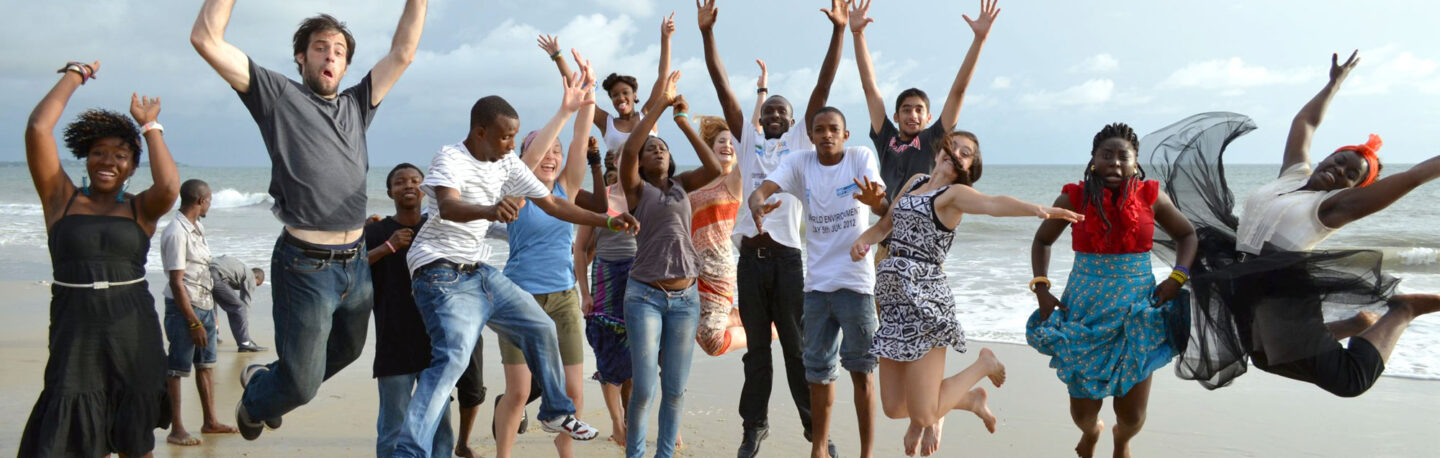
(712,221)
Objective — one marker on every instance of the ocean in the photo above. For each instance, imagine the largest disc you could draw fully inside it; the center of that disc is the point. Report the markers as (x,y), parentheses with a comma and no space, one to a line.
(989,264)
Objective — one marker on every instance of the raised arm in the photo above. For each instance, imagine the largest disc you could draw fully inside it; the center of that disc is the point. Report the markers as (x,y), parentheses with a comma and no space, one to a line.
(950,114)
(729,104)
(1302,129)
(819,96)
(710,167)
(1352,204)
(402,51)
(156,200)
(874,102)
(208,38)
(595,200)
(762,90)
(963,199)
(580,142)
(630,157)
(551,45)
(41,153)
(575,98)
(667,28)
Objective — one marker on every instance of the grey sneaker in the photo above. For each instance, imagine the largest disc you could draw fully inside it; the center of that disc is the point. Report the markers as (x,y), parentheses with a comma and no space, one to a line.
(570,426)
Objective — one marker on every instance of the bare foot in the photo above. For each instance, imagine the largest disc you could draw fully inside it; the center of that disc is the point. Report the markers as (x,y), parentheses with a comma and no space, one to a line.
(218,428)
(912,438)
(1418,304)
(1086,447)
(997,373)
(679,442)
(618,438)
(184,439)
(464,451)
(1366,319)
(931,442)
(981,409)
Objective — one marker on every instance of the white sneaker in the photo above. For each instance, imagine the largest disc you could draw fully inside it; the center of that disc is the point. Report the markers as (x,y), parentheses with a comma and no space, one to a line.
(571,426)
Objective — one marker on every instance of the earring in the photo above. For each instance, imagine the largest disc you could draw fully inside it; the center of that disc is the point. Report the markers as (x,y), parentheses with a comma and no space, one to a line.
(1092,167)
(121,196)
(85,186)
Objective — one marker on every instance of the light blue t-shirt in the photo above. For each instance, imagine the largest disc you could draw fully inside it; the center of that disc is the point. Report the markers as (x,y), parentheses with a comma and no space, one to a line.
(540,260)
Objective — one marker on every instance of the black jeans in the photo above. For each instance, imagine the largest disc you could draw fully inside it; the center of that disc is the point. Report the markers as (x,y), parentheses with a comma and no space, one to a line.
(771,290)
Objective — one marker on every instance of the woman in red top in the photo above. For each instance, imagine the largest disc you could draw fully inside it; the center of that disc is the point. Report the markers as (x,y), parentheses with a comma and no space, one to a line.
(1110,331)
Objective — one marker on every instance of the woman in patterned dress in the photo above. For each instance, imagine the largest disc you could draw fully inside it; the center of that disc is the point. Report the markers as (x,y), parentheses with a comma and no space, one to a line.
(713,210)
(1110,333)
(917,308)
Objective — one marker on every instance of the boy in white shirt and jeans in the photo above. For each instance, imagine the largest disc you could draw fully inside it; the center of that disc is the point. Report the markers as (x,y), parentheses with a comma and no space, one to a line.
(835,184)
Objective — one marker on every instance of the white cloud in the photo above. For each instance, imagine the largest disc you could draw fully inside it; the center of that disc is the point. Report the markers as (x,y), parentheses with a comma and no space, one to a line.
(1099,63)
(642,8)
(1387,68)
(1089,93)
(1233,76)
(1001,82)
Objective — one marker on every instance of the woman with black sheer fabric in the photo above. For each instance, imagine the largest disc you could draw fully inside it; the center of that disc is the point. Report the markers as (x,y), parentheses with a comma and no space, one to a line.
(1261,289)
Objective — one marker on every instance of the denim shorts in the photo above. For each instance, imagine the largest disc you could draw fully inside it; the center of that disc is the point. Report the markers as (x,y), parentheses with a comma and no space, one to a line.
(839,325)
(182,351)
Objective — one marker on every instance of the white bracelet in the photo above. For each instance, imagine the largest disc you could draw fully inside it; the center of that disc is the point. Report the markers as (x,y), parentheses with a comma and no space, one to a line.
(152,125)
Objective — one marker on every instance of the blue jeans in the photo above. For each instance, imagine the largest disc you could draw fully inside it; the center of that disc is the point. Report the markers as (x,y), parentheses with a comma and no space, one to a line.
(395,395)
(322,313)
(661,326)
(838,323)
(182,352)
(454,305)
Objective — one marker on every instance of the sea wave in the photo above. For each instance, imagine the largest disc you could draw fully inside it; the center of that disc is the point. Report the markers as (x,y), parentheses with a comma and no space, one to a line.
(231,198)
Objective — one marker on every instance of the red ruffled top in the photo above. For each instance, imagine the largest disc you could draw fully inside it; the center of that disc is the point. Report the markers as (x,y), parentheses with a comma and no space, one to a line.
(1132,229)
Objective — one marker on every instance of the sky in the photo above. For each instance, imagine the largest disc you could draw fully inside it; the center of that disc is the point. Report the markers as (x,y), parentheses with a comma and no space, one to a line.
(1052,72)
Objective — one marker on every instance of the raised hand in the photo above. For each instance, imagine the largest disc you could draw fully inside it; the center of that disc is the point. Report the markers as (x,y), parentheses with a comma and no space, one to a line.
(577,93)
(988,11)
(836,13)
(680,105)
(144,109)
(667,27)
(858,19)
(871,192)
(550,44)
(764,75)
(1339,71)
(1058,213)
(586,71)
(707,13)
(671,88)
(759,211)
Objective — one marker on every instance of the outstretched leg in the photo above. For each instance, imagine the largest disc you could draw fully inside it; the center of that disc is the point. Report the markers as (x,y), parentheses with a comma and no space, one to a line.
(956,392)
(1349,327)
(1403,309)
(1130,416)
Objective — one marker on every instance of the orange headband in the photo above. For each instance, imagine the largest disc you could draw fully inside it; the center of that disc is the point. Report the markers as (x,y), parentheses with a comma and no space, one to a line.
(1368,152)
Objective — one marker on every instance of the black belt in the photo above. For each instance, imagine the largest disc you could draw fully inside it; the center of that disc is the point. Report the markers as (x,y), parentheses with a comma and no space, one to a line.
(313,251)
(762,245)
(444,264)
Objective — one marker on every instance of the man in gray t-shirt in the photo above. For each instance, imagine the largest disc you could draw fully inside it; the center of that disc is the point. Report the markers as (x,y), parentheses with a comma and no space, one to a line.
(315,135)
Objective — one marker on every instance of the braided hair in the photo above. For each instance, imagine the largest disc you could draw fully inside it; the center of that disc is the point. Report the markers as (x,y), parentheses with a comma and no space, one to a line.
(95,124)
(1094,190)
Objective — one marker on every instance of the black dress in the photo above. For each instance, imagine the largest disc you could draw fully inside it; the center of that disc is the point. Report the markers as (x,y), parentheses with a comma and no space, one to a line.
(105,379)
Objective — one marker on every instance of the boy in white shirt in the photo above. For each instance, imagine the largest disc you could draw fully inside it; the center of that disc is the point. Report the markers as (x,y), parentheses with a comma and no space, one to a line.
(839,312)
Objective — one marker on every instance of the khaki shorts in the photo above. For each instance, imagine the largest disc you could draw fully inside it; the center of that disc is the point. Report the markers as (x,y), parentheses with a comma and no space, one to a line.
(564,308)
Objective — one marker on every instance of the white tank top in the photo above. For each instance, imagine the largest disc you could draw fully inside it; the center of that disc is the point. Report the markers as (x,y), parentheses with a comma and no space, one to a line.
(1279,214)
(614,138)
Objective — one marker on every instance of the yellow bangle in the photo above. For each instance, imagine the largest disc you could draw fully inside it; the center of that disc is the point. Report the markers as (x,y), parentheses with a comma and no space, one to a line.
(196,324)
(1179,277)
(1039,280)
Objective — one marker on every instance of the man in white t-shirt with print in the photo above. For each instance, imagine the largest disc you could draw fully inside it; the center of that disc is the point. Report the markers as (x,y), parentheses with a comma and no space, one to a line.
(839,311)
(768,275)
(471,184)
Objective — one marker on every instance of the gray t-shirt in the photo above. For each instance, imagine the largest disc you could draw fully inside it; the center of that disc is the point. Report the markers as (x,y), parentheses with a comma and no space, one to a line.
(664,249)
(317,149)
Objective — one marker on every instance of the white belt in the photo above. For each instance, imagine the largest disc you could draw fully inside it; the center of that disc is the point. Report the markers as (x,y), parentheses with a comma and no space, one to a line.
(99,284)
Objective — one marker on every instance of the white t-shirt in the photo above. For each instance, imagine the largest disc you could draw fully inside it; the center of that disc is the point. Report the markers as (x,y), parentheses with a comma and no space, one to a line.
(758,157)
(479,183)
(1280,214)
(834,218)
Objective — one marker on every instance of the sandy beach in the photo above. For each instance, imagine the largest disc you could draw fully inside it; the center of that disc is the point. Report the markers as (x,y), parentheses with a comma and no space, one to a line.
(1261,415)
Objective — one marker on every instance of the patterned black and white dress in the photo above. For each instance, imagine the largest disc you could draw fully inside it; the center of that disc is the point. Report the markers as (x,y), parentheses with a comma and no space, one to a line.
(917,309)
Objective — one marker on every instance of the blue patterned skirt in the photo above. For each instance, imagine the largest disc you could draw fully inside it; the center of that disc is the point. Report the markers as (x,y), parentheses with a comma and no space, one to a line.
(1112,337)
(605,325)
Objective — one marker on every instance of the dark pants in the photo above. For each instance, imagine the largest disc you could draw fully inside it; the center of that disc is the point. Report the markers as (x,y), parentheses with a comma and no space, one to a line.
(771,290)
(1344,372)
(322,313)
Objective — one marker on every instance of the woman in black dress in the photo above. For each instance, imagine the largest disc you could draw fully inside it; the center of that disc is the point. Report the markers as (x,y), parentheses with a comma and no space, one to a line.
(105,379)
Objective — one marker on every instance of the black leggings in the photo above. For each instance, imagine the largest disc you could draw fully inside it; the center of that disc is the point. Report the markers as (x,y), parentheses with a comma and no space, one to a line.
(1344,372)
